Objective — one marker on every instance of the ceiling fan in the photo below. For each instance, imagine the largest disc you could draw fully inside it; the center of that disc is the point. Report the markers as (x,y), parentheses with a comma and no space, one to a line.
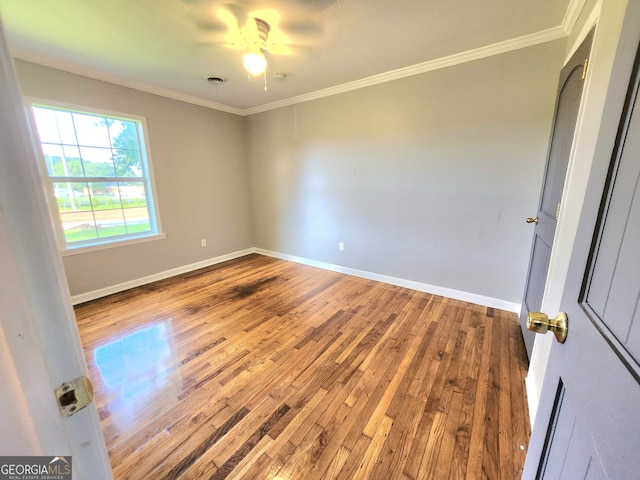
(254,39)
(259,31)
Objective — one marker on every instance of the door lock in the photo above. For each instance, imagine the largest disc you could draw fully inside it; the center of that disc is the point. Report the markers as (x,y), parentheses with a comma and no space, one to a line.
(539,322)
(74,395)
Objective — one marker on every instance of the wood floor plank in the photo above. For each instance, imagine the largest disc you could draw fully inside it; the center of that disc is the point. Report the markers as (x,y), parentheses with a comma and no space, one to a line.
(429,393)
(395,451)
(478,428)
(505,436)
(444,464)
(491,453)
(338,461)
(307,451)
(371,456)
(302,421)
(262,368)
(379,414)
(350,467)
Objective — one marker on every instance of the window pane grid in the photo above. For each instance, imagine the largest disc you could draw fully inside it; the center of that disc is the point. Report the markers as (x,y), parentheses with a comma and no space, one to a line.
(97,168)
(96,179)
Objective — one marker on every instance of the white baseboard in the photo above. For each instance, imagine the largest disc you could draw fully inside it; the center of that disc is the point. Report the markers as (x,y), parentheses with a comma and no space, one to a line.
(401,282)
(103,292)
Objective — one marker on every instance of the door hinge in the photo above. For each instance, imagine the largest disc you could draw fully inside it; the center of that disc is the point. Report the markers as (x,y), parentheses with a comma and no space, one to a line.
(74,395)
(585,67)
(558,211)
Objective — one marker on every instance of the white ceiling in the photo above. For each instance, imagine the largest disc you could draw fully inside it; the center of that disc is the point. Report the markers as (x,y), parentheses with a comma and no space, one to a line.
(170,47)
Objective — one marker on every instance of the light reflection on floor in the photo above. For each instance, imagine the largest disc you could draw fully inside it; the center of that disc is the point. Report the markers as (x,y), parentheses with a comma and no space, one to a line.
(136,372)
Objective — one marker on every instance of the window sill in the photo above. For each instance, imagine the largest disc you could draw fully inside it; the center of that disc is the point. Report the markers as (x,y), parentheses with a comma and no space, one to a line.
(107,246)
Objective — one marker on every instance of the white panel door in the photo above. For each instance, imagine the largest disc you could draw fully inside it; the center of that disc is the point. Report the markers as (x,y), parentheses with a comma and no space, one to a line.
(588,422)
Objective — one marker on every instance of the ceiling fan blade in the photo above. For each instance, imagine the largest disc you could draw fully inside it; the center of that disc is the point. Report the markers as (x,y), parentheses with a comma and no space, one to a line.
(210,26)
(302,28)
(238,10)
(229,19)
(233,36)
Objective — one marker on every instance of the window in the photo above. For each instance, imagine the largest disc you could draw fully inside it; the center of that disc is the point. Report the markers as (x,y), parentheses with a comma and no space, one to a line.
(100,175)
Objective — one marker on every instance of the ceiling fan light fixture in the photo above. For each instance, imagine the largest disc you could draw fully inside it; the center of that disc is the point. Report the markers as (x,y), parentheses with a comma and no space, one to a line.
(254,62)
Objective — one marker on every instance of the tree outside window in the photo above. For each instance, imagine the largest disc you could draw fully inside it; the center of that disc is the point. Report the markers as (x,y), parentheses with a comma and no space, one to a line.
(98,168)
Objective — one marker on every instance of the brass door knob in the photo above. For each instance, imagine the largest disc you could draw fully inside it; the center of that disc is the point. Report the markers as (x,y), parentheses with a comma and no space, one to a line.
(532,220)
(539,322)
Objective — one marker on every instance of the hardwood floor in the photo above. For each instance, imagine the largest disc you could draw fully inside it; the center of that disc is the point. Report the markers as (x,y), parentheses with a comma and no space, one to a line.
(266,369)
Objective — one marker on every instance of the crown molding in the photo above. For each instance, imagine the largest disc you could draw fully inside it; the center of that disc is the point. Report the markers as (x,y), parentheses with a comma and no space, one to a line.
(117,80)
(444,62)
(568,23)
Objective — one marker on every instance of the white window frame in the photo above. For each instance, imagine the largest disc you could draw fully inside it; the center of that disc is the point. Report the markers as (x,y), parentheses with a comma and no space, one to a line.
(156,232)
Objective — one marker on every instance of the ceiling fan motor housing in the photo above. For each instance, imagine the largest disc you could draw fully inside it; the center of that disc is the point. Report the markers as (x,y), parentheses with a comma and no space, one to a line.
(263,30)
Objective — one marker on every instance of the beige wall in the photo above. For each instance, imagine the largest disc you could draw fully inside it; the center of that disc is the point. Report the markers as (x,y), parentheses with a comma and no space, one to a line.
(200,173)
(428,178)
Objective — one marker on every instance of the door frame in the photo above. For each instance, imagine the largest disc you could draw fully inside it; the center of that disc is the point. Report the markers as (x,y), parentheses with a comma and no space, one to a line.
(573,70)
(38,323)
(604,93)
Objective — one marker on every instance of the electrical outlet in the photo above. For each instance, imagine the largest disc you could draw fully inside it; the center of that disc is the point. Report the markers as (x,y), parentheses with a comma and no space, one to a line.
(341,246)
(203,242)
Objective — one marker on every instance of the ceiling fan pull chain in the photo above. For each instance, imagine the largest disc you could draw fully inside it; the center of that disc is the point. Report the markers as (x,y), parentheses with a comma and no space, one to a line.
(265,80)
